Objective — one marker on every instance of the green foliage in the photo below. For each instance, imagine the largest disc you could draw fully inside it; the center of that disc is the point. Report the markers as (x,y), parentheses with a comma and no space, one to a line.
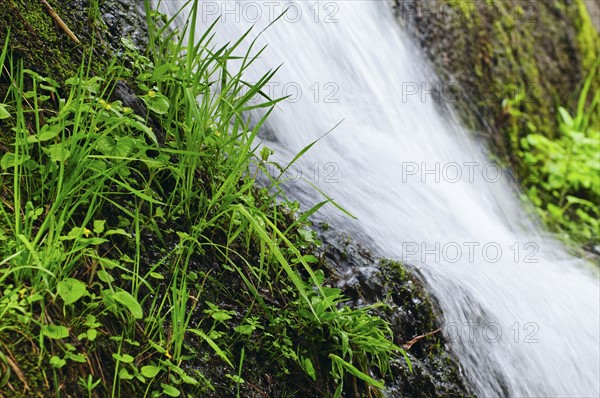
(566,187)
(361,341)
(127,246)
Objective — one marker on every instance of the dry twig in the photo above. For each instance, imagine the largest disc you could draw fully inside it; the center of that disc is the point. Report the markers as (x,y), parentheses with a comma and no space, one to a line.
(60,22)
(408,345)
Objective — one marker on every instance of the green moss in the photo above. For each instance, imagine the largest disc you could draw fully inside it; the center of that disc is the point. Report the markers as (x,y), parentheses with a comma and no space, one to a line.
(465,7)
(539,50)
(435,373)
(41,44)
(589,45)
(31,382)
(587,36)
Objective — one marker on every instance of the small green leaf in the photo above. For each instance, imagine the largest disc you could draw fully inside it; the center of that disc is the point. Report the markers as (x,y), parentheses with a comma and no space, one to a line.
(55,332)
(245,329)
(188,380)
(170,390)
(566,117)
(92,334)
(129,302)
(309,368)
(71,290)
(99,226)
(125,358)
(235,378)
(265,152)
(105,276)
(221,316)
(4,114)
(57,362)
(125,375)
(150,371)
(157,347)
(76,357)
(156,275)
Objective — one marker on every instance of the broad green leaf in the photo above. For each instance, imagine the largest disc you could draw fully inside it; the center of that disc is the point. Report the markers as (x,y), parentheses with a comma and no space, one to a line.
(156,102)
(170,390)
(57,152)
(47,132)
(129,302)
(71,290)
(121,147)
(125,375)
(150,371)
(11,160)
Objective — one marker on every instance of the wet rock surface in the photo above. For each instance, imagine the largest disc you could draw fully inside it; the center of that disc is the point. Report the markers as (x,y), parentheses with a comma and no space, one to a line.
(46,48)
(125,19)
(410,311)
(486,52)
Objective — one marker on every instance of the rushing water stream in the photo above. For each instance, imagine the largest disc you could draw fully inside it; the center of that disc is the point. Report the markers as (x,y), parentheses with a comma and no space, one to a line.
(521,314)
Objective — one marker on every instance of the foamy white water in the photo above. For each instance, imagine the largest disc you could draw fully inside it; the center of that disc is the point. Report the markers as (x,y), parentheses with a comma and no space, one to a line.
(521,314)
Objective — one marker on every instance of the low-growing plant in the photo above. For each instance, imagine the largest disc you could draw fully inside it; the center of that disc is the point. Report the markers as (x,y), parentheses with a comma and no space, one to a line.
(564,179)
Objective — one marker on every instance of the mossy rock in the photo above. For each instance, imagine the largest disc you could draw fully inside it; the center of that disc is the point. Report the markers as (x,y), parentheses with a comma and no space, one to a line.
(497,50)
(38,40)
(410,311)
(45,47)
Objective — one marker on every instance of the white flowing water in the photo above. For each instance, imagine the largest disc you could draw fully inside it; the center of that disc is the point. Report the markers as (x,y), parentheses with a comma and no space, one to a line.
(521,314)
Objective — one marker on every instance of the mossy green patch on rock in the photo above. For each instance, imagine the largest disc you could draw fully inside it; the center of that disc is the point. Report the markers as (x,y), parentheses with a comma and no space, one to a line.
(409,310)
(534,53)
(44,47)
(37,39)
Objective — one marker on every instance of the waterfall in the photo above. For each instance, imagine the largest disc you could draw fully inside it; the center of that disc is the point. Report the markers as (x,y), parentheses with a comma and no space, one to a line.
(520,313)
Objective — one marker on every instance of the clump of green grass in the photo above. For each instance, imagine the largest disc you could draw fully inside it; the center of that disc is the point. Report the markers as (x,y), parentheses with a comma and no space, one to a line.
(132,266)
